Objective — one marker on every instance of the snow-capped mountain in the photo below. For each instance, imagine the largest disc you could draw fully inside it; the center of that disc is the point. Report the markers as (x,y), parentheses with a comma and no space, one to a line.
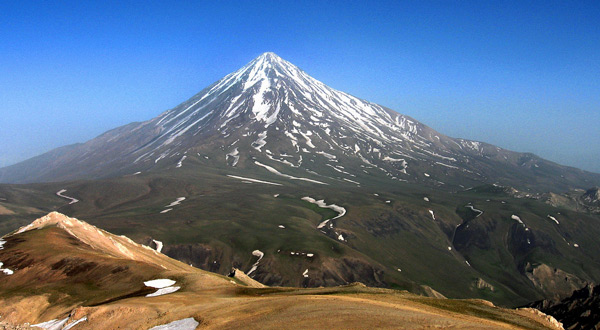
(272,116)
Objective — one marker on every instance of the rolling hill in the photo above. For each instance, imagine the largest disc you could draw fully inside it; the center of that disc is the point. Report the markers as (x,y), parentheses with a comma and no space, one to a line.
(67,274)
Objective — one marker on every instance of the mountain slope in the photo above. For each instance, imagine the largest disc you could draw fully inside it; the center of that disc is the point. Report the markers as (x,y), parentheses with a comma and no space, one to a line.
(271,116)
(403,236)
(59,281)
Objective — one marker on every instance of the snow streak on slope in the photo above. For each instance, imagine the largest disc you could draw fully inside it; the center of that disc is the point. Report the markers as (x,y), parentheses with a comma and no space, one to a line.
(62,191)
(321,203)
(260,255)
(274,171)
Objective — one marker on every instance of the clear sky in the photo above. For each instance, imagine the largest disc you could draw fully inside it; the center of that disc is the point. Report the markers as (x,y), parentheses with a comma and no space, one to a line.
(523,75)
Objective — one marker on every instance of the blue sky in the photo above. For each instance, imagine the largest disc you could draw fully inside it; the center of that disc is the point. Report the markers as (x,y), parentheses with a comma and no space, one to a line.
(524,75)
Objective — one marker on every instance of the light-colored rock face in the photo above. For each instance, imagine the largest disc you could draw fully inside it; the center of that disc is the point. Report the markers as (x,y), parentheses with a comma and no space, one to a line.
(242,277)
(554,281)
(549,318)
(482,284)
(430,292)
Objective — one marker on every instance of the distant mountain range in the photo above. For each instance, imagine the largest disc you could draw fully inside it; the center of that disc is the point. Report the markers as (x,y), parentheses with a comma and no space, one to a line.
(274,173)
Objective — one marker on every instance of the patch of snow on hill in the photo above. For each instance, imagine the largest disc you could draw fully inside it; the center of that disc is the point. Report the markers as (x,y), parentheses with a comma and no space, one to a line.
(185,324)
(159,245)
(260,142)
(274,171)
(176,202)
(479,212)
(52,324)
(553,219)
(517,219)
(180,163)
(60,194)
(164,291)
(260,255)
(71,325)
(254,180)
(164,286)
(326,155)
(351,181)
(159,283)
(6,271)
(235,154)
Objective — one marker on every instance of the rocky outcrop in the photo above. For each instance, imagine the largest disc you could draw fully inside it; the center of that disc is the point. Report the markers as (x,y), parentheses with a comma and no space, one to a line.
(549,318)
(481,284)
(430,292)
(553,282)
(576,200)
(579,311)
(592,196)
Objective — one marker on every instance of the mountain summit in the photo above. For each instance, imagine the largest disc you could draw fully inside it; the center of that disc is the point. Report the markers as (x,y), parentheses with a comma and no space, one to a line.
(272,116)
